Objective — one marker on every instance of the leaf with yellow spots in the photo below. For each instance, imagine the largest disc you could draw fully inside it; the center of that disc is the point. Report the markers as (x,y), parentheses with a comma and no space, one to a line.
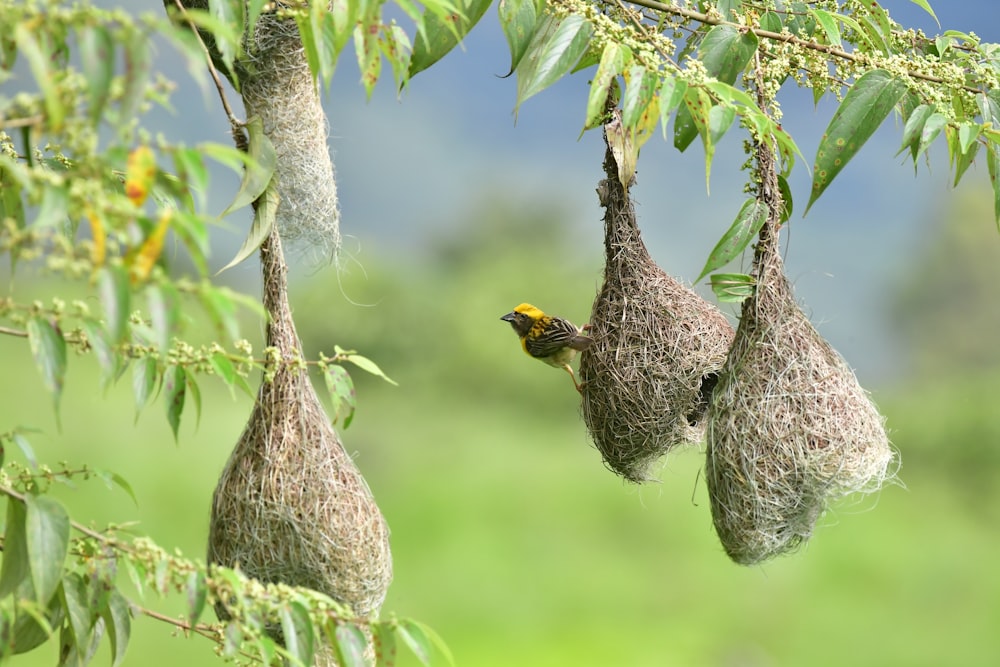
(865,106)
(140,172)
(100,239)
(141,262)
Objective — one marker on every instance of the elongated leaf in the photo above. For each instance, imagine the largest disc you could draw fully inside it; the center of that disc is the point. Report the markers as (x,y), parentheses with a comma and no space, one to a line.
(732,287)
(175,389)
(342,396)
(114,295)
(442,34)
(830,26)
(113,479)
(748,222)
(197,594)
(15,567)
(263,222)
(415,639)
(76,601)
(993,165)
(144,378)
(39,60)
(299,635)
(140,172)
(671,94)
(350,643)
(612,61)
(26,449)
(366,364)
(138,62)
(46,527)
(726,51)
(518,19)
(556,47)
(118,620)
(97,50)
(143,259)
(48,347)
(257,174)
(862,111)
(639,89)
(34,624)
(961,149)
(914,128)
(384,640)
(930,131)
(923,4)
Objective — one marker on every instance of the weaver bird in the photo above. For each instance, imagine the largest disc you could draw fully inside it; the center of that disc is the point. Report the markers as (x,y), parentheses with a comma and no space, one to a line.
(550,339)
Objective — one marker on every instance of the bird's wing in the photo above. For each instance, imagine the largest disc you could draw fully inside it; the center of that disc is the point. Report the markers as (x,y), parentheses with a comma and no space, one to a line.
(547,338)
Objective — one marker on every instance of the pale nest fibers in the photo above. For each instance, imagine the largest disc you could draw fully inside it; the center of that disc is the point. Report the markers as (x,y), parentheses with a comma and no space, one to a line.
(277,87)
(790,429)
(657,346)
(291,506)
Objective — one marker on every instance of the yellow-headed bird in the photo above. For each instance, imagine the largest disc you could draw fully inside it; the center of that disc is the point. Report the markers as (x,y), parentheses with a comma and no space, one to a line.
(550,339)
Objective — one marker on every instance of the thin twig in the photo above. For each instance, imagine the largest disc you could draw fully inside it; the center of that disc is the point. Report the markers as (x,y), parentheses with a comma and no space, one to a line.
(233,120)
(13,332)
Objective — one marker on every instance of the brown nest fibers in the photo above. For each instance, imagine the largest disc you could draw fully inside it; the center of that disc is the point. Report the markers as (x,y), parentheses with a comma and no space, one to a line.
(657,347)
(290,505)
(789,427)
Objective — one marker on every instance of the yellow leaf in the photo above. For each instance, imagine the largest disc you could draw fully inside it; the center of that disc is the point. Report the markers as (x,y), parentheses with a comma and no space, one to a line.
(100,238)
(140,170)
(143,260)
(647,122)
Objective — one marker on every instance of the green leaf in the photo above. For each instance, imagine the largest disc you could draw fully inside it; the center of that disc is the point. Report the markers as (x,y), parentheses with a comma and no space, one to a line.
(46,528)
(366,364)
(118,620)
(672,93)
(53,209)
(113,293)
(351,645)
(162,314)
(15,567)
(962,147)
(866,105)
(190,166)
(749,220)
(341,388)
(993,165)
(175,388)
(930,131)
(297,628)
(220,303)
(638,94)
(258,173)
(33,625)
(11,205)
(612,61)
(729,8)
(732,287)
(39,57)
(22,443)
(144,380)
(77,604)
(786,198)
(519,19)
(555,48)
(225,13)
(97,60)
(113,479)
(48,348)
(419,638)
(232,639)
(830,25)
(443,33)
(913,129)
(771,21)
(726,51)
(138,62)
(263,222)
(197,593)
(923,4)
(384,641)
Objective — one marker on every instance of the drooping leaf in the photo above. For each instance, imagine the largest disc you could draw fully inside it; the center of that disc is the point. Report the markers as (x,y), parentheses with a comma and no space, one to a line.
(114,295)
(786,198)
(144,380)
(555,48)
(342,397)
(46,528)
(34,624)
(48,348)
(732,287)
(830,25)
(26,449)
(640,85)
(420,638)
(365,364)
(174,391)
(107,360)
(258,171)
(351,645)
(671,94)
(138,62)
(197,594)
(77,603)
(220,304)
(11,204)
(144,258)
(613,59)
(97,49)
(53,210)
(369,56)
(748,222)
(993,165)
(113,479)
(298,632)
(923,4)
(930,131)
(443,33)
(914,128)
(163,312)
(384,641)
(190,166)
(140,171)
(39,57)
(118,620)
(519,20)
(15,567)
(868,102)
(962,147)
(227,13)
(263,222)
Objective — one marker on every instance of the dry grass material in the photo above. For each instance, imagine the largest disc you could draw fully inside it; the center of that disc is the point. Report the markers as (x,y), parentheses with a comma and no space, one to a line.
(277,87)
(789,427)
(656,351)
(290,505)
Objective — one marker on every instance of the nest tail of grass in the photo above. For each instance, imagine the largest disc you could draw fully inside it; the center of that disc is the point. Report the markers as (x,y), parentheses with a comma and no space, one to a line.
(789,427)
(290,505)
(277,86)
(657,347)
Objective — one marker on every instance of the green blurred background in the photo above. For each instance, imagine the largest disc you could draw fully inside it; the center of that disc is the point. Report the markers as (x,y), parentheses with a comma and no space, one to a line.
(509,536)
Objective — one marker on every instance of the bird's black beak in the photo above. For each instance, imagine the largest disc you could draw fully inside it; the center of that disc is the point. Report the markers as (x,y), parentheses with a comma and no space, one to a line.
(509,317)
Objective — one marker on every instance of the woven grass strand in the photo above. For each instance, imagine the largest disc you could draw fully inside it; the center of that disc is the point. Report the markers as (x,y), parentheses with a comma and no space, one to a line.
(657,346)
(290,505)
(790,429)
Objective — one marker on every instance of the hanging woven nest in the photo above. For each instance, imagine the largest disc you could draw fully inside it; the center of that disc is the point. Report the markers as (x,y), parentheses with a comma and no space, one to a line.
(789,427)
(657,346)
(277,86)
(290,505)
